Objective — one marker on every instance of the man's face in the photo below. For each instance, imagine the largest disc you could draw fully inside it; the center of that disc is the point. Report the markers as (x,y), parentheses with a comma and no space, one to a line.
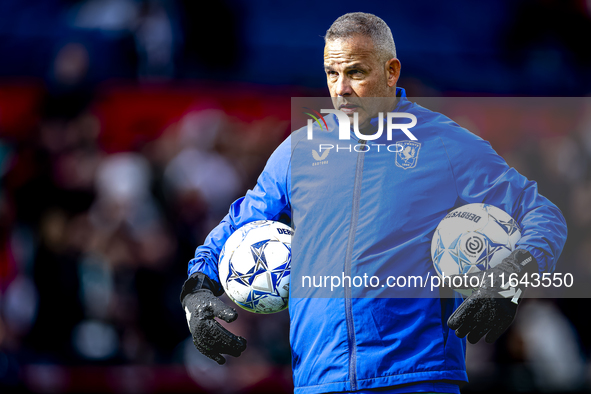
(353,70)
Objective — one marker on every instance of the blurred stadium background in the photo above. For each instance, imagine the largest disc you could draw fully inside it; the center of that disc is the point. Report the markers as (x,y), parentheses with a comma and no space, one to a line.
(127,127)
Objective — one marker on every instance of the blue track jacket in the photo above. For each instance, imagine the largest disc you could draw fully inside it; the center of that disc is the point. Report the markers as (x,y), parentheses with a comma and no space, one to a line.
(374,213)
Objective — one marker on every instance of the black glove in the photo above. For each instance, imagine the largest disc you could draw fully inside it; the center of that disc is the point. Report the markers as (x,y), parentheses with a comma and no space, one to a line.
(202,307)
(491,307)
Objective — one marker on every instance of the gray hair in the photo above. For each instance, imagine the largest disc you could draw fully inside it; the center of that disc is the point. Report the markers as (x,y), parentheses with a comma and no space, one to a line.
(367,25)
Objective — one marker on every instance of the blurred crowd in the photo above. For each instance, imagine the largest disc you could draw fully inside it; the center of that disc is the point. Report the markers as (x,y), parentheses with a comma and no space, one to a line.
(107,188)
(94,245)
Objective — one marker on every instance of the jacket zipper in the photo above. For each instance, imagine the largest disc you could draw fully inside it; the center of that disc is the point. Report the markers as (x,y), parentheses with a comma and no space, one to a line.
(348,257)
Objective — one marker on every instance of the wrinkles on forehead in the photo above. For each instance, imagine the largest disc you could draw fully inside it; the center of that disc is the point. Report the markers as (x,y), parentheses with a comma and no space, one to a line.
(357,50)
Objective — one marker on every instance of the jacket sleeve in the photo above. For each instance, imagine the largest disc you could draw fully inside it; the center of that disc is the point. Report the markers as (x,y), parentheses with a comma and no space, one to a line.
(482,176)
(268,200)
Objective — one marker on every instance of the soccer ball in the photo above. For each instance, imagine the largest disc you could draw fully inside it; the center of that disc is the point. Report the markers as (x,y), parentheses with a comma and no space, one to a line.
(473,238)
(255,264)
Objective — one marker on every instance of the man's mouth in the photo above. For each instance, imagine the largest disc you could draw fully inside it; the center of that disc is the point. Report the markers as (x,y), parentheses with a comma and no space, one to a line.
(348,108)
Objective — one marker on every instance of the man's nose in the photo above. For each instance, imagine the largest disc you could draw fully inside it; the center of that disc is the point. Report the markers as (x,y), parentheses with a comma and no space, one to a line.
(343,87)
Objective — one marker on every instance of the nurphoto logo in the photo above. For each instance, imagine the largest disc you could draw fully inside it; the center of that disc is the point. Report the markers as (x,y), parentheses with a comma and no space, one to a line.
(407,152)
(345,124)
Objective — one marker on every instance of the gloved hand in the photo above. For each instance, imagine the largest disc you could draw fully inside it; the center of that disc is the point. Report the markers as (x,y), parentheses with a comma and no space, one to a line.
(202,307)
(491,307)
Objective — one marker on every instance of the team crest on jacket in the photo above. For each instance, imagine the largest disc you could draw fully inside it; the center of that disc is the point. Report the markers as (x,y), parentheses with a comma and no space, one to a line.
(409,154)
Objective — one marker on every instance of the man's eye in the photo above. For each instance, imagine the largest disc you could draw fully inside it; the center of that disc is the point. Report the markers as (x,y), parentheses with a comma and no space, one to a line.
(355,72)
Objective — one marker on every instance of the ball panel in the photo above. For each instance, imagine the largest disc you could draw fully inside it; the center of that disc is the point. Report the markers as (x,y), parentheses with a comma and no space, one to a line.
(278,255)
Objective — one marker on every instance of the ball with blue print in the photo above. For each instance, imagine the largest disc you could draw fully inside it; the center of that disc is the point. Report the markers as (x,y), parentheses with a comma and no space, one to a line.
(255,264)
(473,238)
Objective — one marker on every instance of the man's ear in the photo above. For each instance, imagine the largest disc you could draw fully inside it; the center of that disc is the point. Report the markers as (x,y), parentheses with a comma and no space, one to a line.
(392,71)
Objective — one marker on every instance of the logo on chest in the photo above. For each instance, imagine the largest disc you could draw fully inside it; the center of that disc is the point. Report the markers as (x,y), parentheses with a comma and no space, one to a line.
(320,159)
(408,154)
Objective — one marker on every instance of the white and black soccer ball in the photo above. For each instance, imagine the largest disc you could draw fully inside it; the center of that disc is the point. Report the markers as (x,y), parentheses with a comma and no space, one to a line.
(255,265)
(473,238)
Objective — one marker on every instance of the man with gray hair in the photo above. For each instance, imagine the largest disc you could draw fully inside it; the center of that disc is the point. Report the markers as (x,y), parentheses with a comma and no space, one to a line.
(367,25)
(359,56)
(373,212)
